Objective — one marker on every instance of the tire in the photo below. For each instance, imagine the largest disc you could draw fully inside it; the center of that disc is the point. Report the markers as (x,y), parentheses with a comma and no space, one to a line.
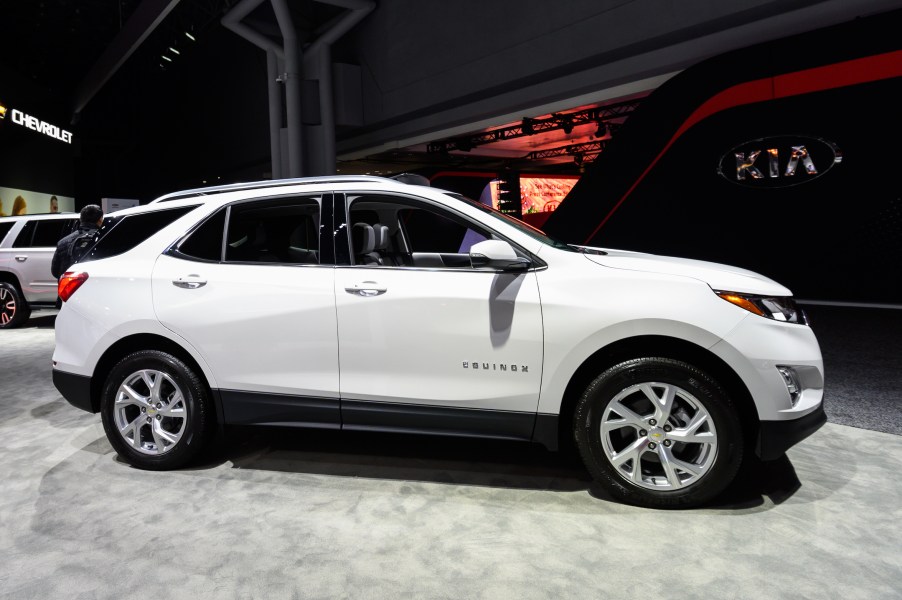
(14,311)
(658,433)
(156,411)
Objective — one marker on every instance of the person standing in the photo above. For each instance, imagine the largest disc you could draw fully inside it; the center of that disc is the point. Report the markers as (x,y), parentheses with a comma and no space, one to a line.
(71,248)
(19,206)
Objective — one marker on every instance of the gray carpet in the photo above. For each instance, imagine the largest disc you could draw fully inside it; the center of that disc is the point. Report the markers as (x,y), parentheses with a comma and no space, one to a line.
(296,514)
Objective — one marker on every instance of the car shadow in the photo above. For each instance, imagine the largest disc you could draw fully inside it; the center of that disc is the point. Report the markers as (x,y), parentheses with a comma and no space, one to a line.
(759,485)
(41,321)
(458,461)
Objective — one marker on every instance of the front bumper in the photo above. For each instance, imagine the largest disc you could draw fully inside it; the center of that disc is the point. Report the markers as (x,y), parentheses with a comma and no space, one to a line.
(76,389)
(776,437)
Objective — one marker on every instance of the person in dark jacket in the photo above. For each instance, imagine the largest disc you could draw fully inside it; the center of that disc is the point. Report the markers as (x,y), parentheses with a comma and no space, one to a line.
(71,248)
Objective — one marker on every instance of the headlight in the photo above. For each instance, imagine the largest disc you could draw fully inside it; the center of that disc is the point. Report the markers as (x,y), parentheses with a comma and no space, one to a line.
(778,309)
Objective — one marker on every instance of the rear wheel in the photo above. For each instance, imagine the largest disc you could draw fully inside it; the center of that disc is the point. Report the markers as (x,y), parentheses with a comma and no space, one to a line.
(156,411)
(658,432)
(14,311)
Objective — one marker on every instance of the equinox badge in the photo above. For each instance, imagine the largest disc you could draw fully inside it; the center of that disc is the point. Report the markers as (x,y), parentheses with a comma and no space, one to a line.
(496,367)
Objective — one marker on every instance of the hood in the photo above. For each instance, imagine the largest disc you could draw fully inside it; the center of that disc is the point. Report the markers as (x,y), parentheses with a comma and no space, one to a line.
(719,277)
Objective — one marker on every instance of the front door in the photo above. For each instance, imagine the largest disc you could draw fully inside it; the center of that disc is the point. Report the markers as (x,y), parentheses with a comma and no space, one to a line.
(420,330)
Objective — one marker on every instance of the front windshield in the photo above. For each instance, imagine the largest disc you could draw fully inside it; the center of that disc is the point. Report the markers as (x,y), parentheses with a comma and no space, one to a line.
(534,233)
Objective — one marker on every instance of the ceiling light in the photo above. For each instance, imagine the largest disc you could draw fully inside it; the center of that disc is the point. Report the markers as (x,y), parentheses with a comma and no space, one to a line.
(190,37)
(174,50)
(602,130)
(164,57)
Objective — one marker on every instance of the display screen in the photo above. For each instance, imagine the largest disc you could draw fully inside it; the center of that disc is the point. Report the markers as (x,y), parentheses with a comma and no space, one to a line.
(541,193)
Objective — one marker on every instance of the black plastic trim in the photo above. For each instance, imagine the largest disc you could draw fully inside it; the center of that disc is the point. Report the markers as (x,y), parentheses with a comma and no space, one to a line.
(327,230)
(776,437)
(39,305)
(546,431)
(260,408)
(76,389)
(436,420)
(342,240)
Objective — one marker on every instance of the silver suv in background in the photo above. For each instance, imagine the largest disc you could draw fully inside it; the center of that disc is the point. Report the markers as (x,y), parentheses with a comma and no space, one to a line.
(27,245)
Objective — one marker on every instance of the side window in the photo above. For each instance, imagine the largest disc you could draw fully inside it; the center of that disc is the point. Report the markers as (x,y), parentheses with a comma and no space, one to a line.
(23,240)
(393,231)
(205,242)
(50,231)
(280,231)
(4,229)
(126,232)
(432,232)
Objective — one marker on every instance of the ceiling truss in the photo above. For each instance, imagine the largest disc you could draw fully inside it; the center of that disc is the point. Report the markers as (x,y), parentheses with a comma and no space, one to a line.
(607,117)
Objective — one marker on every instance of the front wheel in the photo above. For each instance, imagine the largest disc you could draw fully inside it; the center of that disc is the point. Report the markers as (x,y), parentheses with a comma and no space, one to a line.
(658,432)
(14,311)
(155,410)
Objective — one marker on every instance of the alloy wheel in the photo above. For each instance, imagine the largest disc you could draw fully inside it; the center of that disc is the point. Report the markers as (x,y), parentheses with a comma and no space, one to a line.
(150,412)
(658,436)
(7,306)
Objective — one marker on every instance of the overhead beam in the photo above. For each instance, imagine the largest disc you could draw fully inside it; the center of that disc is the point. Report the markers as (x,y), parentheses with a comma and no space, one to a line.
(146,18)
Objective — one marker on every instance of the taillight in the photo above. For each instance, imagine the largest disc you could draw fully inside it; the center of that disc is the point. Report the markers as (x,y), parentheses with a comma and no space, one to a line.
(70,282)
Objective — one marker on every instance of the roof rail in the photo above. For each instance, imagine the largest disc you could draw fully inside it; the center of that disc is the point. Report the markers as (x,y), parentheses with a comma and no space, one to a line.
(253,185)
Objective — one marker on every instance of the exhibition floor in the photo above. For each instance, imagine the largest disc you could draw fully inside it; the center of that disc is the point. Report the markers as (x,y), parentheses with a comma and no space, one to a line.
(307,514)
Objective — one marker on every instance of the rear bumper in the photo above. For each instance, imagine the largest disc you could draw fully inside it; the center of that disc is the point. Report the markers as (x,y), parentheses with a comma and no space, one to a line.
(776,437)
(76,389)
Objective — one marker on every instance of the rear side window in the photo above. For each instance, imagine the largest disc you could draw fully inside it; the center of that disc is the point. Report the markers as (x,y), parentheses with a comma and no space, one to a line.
(205,242)
(23,240)
(48,232)
(44,233)
(281,231)
(4,229)
(120,235)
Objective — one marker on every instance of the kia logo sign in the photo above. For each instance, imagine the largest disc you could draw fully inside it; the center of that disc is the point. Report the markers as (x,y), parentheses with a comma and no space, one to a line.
(779,161)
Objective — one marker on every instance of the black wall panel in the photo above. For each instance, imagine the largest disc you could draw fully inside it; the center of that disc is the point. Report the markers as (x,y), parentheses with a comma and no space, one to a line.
(835,237)
(30,160)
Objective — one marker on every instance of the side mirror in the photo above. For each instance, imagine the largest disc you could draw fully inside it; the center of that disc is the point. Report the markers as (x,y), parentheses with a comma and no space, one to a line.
(495,254)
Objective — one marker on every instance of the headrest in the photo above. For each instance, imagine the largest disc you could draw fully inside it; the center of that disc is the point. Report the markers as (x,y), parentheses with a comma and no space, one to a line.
(381,237)
(363,239)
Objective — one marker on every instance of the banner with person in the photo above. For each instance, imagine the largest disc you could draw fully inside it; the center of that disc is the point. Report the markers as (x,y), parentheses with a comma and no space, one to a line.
(16,202)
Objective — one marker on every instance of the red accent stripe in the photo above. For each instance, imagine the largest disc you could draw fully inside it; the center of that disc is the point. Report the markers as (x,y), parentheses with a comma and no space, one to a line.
(837,75)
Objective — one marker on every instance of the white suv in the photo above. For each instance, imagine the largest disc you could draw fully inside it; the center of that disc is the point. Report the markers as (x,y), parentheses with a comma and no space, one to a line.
(367,304)
(27,245)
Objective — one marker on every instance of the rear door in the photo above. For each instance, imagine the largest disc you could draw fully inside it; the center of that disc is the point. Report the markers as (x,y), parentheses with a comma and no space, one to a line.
(259,305)
(31,253)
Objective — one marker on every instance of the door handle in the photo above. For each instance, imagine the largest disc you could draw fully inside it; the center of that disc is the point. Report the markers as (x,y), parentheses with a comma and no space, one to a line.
(367,289)
(21,258)
(190,282)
